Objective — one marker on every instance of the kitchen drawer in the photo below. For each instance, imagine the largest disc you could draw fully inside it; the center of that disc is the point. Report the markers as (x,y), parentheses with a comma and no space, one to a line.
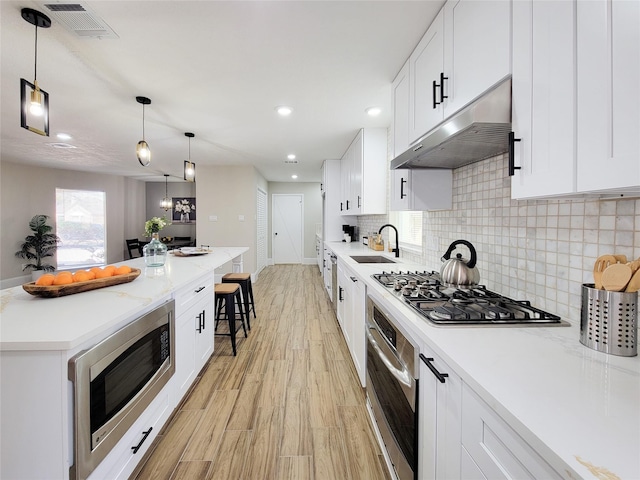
(198,291)
(494,447)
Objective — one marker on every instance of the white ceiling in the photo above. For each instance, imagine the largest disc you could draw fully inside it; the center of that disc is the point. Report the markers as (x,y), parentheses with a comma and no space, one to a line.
(214,68)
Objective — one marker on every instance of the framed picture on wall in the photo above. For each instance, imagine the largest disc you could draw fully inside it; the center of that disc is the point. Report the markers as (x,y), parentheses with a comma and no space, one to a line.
(184,209)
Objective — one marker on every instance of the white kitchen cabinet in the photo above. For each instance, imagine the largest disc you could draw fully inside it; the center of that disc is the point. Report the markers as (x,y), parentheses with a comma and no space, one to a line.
(465,51)
(493,448)
(351,315)
(439,404)
(364,173)
(543,106)
(332,218)
(477,49)
(194,332)
(400,101)
(426,65)
(608,96)
(421,189)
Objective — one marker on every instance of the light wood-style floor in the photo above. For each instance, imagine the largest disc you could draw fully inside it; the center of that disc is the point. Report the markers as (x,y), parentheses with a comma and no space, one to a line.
(288,406)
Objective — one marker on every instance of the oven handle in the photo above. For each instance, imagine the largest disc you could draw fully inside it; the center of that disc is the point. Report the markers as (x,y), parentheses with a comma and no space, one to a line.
(399,371)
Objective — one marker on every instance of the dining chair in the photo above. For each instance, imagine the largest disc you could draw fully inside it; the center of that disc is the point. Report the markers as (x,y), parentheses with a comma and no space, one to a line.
(134,245)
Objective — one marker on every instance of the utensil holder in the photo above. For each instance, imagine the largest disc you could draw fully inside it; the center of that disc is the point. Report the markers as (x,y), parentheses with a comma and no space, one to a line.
(609,321)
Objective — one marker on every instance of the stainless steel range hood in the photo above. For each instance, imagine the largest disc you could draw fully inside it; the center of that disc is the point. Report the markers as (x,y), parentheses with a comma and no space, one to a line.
(478,131)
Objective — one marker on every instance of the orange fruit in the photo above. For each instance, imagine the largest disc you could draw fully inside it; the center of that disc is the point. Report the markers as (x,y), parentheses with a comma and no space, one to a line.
(95,271)
(110,268)
(104,273)
(123,270)
(46,279)
(80,276)
(63,278)
(91,274)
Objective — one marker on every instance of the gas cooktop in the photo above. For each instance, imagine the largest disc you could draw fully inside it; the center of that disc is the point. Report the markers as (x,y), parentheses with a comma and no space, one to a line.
(473,305)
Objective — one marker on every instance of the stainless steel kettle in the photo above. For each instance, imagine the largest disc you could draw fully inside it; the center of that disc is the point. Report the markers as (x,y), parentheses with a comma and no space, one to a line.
(458,270)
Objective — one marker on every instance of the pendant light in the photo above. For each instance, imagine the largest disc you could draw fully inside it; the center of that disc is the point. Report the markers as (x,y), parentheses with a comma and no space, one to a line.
(189,166)
(142,149)
(35,105)
(166,201)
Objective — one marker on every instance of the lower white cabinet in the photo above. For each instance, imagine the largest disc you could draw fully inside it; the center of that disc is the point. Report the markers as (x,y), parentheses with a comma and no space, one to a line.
(492,449)
(439,417)
(194,332)
(421,189)
(351,315)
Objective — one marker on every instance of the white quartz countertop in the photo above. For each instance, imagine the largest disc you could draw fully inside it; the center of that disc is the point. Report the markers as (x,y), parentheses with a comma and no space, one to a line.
(578,408)
(33,323)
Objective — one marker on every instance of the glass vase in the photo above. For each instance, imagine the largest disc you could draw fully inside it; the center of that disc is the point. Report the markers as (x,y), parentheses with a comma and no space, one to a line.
(155,252)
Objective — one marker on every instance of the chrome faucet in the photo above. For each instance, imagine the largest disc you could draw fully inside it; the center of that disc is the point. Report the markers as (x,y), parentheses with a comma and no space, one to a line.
(397,249)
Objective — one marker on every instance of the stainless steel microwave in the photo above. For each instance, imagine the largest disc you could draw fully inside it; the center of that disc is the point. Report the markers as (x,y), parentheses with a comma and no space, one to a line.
(114,382)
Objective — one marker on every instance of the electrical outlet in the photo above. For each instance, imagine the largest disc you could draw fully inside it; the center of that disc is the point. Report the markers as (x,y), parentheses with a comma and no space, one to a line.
(213,218)
(241,218)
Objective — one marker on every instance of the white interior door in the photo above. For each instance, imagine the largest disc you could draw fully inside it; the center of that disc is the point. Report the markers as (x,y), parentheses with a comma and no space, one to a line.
(286,226)
(261,229)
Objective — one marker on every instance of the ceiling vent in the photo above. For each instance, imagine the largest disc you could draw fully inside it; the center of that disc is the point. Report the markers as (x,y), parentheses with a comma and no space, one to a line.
(80,20)
(291,161)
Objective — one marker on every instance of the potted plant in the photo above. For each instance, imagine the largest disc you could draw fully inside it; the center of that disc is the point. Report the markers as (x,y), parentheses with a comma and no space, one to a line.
(39,245)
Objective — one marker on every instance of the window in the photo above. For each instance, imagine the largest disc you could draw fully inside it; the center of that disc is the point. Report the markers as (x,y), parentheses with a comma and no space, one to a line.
(80,223)
(409,226)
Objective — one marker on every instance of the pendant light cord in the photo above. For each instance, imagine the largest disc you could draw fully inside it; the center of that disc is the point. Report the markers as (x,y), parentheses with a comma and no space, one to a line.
(143,121)
(35,63)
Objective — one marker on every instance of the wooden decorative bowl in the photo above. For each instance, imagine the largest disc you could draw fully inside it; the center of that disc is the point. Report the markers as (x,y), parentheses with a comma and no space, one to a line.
(52,291)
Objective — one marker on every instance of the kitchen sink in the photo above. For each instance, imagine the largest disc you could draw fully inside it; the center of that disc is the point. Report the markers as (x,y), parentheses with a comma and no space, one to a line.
(372,259)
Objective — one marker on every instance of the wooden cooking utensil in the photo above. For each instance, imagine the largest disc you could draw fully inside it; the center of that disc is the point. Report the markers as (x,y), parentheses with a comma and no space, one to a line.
(634,283)
(616,277)
(621,258)
(601,264)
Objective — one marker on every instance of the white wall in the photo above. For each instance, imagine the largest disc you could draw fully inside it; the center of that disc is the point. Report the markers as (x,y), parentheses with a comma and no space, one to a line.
(28,191)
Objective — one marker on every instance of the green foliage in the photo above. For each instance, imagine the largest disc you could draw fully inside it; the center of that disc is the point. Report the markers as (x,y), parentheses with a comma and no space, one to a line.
(41,244)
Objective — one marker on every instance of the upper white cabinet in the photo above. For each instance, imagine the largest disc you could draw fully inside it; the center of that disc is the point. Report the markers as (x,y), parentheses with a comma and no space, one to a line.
(576,97)
(608,50)
(364,174)
(331,201)
(421,189)
(477,49)
(465,51)
(426,65)
(543,107)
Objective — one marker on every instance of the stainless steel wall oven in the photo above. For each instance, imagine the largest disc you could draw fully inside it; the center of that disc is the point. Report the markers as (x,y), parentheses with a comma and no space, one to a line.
(392,388)
(115,380)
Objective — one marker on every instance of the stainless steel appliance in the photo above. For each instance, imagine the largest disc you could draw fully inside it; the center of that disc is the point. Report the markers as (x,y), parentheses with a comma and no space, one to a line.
(473,305)
(114,382)
(392,388)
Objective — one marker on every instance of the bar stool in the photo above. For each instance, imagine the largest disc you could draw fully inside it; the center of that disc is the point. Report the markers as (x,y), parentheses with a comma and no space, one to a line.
(229,295)
(244,279)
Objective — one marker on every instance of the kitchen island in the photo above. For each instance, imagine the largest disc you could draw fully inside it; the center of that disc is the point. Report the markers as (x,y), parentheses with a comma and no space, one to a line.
(576,409)
(38,336)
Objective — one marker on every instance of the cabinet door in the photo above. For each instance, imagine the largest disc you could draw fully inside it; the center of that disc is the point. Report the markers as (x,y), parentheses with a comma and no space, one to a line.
(345,182)
(477,52)
(358,299)
(342,312)
(608,35)
(185,357)
(426,63)
(399,191)
(439,420)
(356,174)
(203,317)
(400,114)
(543,98)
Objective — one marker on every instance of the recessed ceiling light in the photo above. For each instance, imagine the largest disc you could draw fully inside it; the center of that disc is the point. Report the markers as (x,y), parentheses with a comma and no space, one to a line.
(284,110)
(294,176)
(373,111)
(64,136)
(291,156)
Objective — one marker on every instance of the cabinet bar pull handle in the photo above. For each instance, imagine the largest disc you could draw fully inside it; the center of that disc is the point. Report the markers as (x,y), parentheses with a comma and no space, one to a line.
(353,279)
(442,79)
(144,437)
(433,92)
(402,182)
(359,205)
(341,206)
(200,326)
(347,204)
(439,376)
(203,319)
(512,154)
(340,294)
(198,290)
